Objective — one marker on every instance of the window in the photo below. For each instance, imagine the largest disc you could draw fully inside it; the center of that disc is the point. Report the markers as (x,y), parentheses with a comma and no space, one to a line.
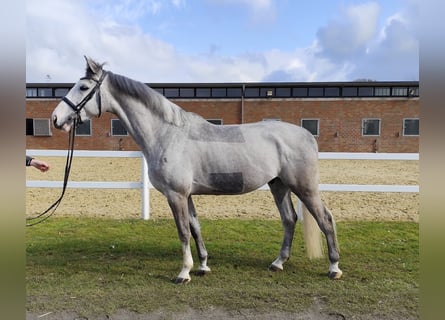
(410,127)
(31,92)
(218,92)
(41,127)
(365,91)
(299,92)
(171,92)
(316,92)
(252,92)
(61,92)
(203,92)
(266,92)
(29,126)
(117,128)
(349,92)
(159,90)
(312,125)
(234,92)
(215,121)
(331,92)
(186,92)
(382,92)
(45,92)
(371,127)
(38,127)
(282,92)
(84,129)
(400,92)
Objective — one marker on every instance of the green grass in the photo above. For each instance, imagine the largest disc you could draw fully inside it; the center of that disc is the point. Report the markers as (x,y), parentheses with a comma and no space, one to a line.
(96,266)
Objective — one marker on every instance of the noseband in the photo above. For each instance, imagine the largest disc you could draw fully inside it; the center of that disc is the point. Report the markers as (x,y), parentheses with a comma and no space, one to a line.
(77,108)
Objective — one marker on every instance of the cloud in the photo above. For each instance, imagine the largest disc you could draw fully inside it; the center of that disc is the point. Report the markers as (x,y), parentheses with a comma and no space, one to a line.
(178,3)
(304,65)
(132,12)
(397,47)
(354,43)
(348,47)
(350,33)
(52,40)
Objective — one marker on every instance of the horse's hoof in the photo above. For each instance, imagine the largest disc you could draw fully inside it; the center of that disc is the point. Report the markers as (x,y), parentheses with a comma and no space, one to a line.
(182,281)
(275,268)
(335,275)
(202,273)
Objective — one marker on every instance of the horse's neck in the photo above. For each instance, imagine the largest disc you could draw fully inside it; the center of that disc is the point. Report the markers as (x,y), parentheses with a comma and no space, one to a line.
(148,128)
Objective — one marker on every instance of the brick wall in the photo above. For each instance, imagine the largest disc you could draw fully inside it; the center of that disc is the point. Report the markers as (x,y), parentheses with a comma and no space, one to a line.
(340,122)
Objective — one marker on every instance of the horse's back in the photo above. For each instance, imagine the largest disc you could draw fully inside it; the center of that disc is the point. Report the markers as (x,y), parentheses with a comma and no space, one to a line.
(263,138)
(286,136)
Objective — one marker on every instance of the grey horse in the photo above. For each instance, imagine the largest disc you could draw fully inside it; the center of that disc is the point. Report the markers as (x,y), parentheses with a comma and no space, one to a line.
(186,155)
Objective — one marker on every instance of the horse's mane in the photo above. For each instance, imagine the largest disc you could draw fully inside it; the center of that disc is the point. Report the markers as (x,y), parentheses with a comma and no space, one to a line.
(126,87)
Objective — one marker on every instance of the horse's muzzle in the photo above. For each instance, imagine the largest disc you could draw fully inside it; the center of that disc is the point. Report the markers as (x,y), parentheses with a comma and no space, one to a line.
(57,126)
(65,125)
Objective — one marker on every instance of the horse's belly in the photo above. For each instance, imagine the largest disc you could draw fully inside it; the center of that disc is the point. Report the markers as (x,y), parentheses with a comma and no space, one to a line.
(236,182)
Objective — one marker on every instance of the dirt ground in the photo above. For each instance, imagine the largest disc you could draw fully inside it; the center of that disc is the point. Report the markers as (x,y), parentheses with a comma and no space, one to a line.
(214,314)
(126,203)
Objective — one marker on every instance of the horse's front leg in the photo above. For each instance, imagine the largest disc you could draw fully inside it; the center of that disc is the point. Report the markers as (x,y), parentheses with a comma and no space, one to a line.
(179,207)
(196,233)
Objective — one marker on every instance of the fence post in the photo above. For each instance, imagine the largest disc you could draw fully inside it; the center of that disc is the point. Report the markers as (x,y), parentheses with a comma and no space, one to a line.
(145,190)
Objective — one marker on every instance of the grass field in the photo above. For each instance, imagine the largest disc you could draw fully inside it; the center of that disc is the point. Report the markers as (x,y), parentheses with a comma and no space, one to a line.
(97,266)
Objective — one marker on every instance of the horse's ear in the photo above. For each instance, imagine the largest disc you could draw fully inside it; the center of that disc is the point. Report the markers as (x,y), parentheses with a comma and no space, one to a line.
(92,66)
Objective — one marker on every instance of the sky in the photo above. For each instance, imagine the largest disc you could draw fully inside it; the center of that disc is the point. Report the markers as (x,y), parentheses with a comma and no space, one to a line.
(215,41)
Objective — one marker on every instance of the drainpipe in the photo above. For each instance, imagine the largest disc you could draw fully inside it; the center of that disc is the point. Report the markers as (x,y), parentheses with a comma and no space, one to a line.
(242,103)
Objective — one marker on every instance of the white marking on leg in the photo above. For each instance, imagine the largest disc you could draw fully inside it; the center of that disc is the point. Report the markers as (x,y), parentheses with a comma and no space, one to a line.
(203,266)
(334,271)
(334,267)
(278,264)
(187,262)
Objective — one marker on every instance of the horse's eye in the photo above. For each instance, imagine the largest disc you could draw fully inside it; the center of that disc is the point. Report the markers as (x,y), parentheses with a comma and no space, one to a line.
(83,87)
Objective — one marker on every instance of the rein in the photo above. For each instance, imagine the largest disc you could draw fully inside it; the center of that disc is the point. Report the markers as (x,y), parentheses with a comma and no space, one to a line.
(69,158)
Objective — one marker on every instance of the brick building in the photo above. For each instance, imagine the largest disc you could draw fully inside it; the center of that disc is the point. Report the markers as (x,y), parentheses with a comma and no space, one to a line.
(343,116)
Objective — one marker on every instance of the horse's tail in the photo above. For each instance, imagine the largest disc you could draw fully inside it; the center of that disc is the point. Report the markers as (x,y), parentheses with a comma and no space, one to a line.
(312,235)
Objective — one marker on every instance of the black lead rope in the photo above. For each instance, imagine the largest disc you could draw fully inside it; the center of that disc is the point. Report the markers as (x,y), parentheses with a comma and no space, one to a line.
(69,158)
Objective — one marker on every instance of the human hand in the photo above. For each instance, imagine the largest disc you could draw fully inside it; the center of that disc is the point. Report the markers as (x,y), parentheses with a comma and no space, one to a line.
(39,164)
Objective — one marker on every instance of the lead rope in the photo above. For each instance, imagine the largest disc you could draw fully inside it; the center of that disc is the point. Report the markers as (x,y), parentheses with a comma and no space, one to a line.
(69,158)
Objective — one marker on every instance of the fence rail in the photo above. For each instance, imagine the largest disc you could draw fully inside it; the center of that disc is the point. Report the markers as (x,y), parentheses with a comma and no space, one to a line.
(145,184)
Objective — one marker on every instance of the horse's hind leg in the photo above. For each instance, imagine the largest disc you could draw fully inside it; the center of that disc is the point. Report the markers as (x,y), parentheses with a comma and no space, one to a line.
(325,220)
(281,194)
(195,228)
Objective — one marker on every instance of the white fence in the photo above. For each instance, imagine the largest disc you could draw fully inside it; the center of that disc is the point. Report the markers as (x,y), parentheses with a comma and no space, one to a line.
(145,184)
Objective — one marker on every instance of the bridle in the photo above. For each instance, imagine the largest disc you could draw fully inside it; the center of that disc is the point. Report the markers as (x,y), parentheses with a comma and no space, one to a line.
(69,158)
(78,107)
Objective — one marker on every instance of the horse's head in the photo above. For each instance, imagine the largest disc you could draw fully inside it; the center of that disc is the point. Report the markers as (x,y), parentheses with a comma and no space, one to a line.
(83,101)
